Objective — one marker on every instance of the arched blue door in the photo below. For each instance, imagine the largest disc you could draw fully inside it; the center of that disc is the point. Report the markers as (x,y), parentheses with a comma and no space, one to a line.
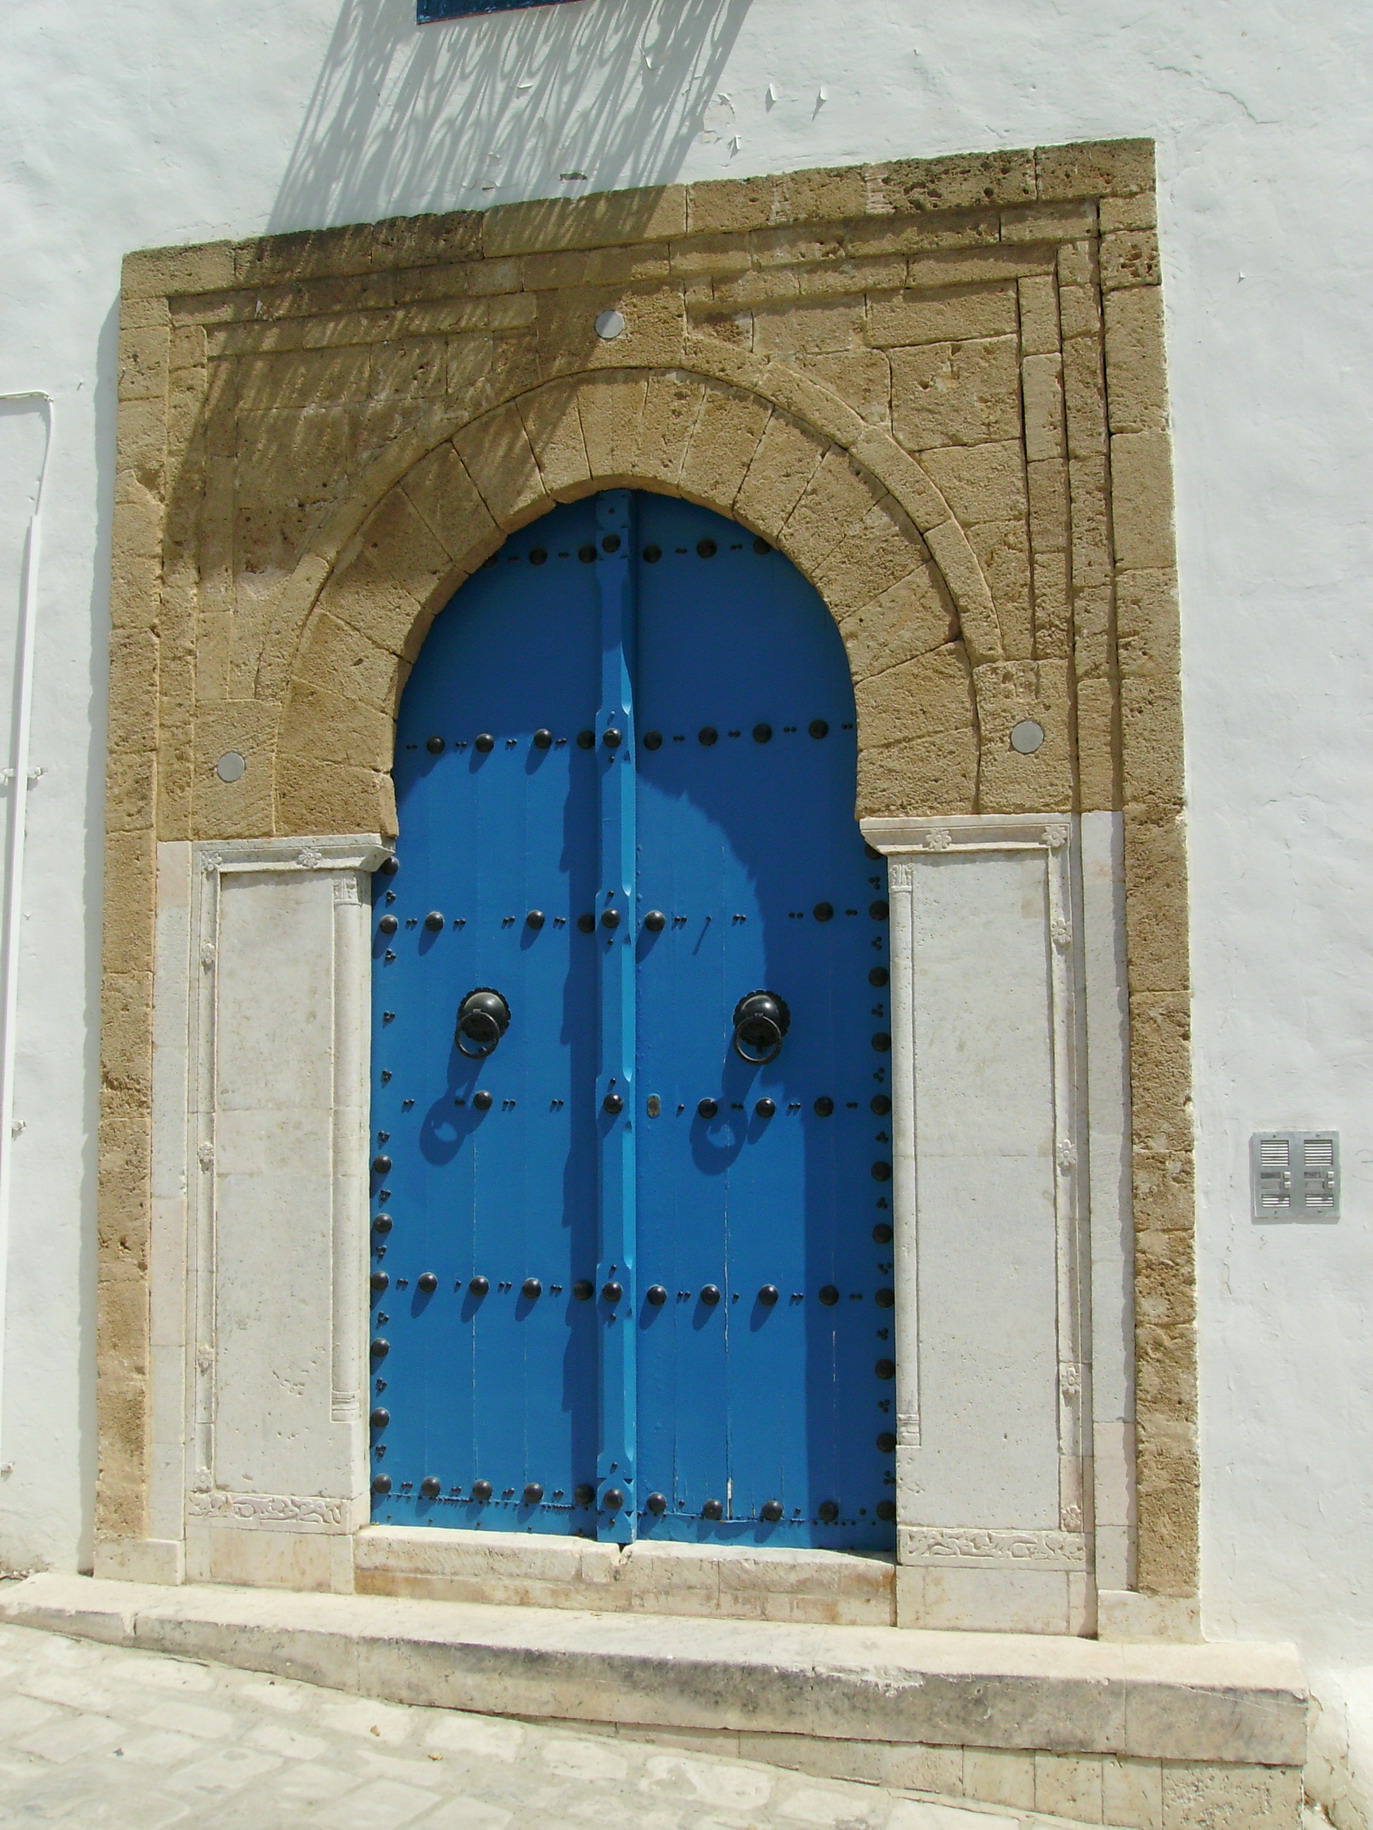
(632,1264)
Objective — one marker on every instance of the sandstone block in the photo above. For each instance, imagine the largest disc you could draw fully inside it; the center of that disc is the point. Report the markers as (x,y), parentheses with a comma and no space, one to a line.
(916,699)
(722,445)
(1046,483)
(129,902)
(1041,382)
(126,1043)
(1103,168)
(838,495)
(1007,692)
(861,378)
(339,659)
(1136,388)
(803,327)
(883,551)
(611,218)
(554,430)
(1129,258)
(496,454)
(950,316)
(596,267)
(1142,499)
(1084,388)
(1204,1797)
(328,798)
(611,408)
(787,457)
(1166,1379)
(965,181)
(157,272)
(130,785)
(1002,551)
(1088,486)
(411,241)
(980,482)
(996,1776)
(710,257)
(1037,310)
(1164,1185)
(1098,784)
(1069,1786)
(1049,222)
(923,775)
(1132,1793)
(1137,212)
(443,495)
(322,727)
(133,690)
(1151,734)
(910,618)
(1167,1520)
(121,1448)
(956,393)
(1156,881)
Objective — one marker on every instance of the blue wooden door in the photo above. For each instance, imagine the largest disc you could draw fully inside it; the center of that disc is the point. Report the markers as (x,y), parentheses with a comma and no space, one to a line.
(630,1278)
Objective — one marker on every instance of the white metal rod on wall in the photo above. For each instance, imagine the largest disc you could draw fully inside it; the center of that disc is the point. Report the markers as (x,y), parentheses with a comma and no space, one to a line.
(17,775)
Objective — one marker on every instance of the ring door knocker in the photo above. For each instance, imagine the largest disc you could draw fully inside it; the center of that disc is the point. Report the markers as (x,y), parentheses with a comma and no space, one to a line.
(761,1020)
(483,1018)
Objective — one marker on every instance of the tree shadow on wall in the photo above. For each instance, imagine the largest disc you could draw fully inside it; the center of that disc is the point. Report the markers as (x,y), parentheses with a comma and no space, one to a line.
(547,101)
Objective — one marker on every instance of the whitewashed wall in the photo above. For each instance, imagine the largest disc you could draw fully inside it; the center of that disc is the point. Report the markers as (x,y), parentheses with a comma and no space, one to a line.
(158,122)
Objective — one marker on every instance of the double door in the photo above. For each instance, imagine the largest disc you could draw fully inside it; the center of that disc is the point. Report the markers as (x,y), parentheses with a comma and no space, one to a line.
(632,1231)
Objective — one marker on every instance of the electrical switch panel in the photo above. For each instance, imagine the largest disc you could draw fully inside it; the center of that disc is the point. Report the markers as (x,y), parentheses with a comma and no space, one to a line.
(1295,1175)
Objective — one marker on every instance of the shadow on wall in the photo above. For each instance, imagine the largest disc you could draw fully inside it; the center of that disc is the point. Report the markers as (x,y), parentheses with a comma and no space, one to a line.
(540,102)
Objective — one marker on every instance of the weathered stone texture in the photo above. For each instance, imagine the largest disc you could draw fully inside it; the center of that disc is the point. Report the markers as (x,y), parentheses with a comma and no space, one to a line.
(937,385)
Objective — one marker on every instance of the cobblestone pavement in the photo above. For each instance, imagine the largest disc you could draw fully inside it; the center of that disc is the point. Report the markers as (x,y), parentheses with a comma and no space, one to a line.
(102,1738)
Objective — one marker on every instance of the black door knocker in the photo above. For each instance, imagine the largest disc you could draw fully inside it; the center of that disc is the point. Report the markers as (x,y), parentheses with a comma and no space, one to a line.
(760,1022)
(483,1018)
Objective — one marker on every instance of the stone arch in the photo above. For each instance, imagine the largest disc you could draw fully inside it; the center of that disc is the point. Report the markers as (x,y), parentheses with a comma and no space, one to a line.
(853,512)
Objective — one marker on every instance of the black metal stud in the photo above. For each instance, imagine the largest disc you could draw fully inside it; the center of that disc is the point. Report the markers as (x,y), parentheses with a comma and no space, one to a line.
(383,1223)
(885,1369)
(886,1442)
(485,742)
(610,918)
(881,1172)
(878,910)
(652,740)
(823,1107)
(882,1233)
(708,1108)
(768,1295)
(586,554)
(657,1504)
(479,1286)
(708,735)
(613,739)
(428,1282)
(762,733)
(829,1296)
(586,924)
(823,911)
(878,976)
(881,1042)
(761,546)
(653,554)
(482,1100)
(819,728)
(380,1281)
(880,1104)
(388,924)
(380,1348)
(771,1510)
(656,1295)
(655,921)
(765,1108)
(434,920)
(534,919)
(381,1165)
(710,1295)
(538,555)
(583,1291)
(584,1495)
(827,1511)
(431,1487)
(612,1499)
(613,1103)
(610,543)
(543,740)
(586,740)
(434,745)
(531,1287)
(712,1510)
(379,1418)
(389,866)
(533,1493)
(481,1492)
(886,1510)
(706,548)
(885,1299)
(381,1483)
(612,1292)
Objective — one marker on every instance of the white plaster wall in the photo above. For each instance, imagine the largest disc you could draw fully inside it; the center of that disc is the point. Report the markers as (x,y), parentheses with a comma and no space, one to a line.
(158,122)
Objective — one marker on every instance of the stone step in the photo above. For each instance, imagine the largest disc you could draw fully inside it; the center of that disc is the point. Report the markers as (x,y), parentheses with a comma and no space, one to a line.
(1163,1737)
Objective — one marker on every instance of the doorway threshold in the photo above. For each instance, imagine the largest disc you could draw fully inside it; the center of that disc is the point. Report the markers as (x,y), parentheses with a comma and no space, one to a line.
(525,1569)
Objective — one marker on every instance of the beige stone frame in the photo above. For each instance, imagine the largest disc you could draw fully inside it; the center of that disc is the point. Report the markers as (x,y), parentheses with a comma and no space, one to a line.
(938,386)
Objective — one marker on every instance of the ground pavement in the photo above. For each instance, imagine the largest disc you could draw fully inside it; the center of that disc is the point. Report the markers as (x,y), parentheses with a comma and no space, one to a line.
(103,1738)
